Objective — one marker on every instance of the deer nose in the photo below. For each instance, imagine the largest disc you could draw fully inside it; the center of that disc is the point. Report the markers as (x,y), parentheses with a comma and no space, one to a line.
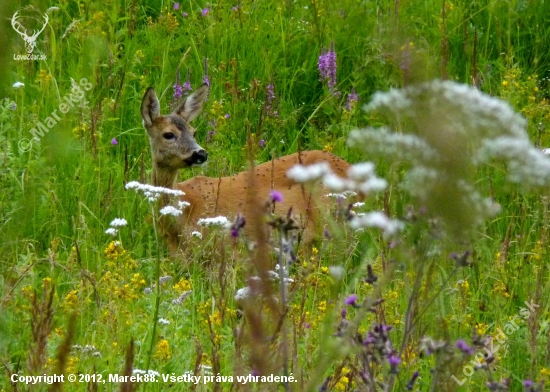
(198,157)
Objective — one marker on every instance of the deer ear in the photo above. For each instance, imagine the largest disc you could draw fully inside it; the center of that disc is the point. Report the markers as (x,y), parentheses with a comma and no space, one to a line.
(192,106)
(150,107)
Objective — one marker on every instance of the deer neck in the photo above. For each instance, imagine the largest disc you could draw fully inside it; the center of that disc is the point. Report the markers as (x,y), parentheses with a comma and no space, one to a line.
(164,177)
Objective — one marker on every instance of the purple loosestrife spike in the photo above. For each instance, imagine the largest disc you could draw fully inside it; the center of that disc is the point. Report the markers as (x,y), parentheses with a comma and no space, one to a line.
(205,11)
(327,68)
(114,142)
(276,196)
(176,6)
(178,91)
(351,300)
(269,99)
(262,143)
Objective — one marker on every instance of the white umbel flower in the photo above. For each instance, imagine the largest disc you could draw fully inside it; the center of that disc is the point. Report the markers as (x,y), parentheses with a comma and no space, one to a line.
(216,221)
(111,231)
(118,222)
(170,210)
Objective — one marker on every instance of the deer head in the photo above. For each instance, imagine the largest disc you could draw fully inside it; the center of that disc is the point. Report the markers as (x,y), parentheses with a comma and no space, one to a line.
(173,144)
(30,41)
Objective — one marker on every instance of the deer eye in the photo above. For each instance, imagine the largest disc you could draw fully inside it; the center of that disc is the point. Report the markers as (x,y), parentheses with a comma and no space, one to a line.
(168,135)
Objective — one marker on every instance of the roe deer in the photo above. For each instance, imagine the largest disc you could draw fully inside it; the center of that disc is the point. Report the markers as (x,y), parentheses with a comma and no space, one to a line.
(174,147)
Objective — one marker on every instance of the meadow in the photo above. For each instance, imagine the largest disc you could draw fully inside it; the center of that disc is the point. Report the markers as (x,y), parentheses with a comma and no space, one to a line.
(436,281)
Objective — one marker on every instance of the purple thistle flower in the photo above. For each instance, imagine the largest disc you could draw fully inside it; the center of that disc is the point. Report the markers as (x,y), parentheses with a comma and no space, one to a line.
(184,14)
(351,300)
(462,346)
(176,6)
(178,90)
(394,361)
(327,68)
(114,142)
(262,143)
(276,196)
(205,11)
(352,99)
(227,116)
(527,383)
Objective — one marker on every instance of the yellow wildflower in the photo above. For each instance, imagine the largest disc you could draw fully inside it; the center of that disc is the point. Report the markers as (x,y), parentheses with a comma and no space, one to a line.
(182,286)
(481,328)
(71,299)
(162,351)
(500,288)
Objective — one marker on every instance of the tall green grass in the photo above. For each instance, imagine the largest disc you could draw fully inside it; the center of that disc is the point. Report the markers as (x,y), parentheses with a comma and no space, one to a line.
(58,198)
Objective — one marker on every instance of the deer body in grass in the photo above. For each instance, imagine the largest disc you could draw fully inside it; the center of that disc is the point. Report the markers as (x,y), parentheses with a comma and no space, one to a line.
(174,147)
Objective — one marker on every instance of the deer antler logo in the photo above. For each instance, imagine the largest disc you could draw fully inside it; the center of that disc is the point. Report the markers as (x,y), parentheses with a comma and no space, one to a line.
(30,40)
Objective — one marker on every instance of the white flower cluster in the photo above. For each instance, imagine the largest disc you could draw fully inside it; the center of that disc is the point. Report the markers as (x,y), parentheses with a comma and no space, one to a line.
(361,177)
(170,210)
(118,222)
(216,221)
(399,146)
(111,231)
(468,109)
(197,234)
(527,165)
(243,294)
(88,349)
(379,220)
(453,128)
(152,193)
(343,195)
(163,321)
(115,223)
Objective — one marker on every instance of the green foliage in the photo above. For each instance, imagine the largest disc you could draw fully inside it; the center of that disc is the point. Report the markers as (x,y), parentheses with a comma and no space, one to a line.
(59,195)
